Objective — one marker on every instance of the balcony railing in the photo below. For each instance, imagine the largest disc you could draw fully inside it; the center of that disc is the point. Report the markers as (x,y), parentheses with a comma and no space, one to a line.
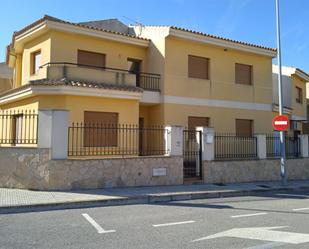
(108,75)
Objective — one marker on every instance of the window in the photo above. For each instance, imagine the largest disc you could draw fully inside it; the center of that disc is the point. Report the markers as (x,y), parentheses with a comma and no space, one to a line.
(243,74)
(35,61)
(198,67)
(244,127)
(299,95)
(17,128)
(90,58)
(100,129)
(194,122)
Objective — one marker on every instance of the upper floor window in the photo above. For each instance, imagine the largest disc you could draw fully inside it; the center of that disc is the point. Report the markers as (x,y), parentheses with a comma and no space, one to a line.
(299,95)
(198,67)
(244,127)
(35,61)
(243,74)
(90,58)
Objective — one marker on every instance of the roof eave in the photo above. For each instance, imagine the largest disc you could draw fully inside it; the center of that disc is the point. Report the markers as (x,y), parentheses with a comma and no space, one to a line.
(29,90)
(51,23)
(221,42)
(302,75)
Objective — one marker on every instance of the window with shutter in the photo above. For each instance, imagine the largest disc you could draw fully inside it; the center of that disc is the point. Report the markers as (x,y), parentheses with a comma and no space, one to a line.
(198,67)
(243,74)
(244,127)
(90,58)
(100,129)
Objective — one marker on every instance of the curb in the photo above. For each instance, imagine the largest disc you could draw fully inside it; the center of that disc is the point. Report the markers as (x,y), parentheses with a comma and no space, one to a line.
(141,199)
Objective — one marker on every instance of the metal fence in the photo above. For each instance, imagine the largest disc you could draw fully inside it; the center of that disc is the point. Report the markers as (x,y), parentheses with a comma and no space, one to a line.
(231,146)
(149,81)
(18,127)
(111,139)
(292,146)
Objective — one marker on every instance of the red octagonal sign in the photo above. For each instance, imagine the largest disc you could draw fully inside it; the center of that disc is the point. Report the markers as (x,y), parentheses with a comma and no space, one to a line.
(280,123)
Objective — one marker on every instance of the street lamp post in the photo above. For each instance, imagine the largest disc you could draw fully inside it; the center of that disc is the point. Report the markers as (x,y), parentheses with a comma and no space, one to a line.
(282,137)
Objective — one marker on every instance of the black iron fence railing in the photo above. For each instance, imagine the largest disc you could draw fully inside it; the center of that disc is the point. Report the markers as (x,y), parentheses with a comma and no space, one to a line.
(231,146)
(292,146)
(18,127)
(116,140)
(147,81)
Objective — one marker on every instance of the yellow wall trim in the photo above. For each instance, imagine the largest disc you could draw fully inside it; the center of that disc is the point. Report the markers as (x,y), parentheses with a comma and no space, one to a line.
(217,103)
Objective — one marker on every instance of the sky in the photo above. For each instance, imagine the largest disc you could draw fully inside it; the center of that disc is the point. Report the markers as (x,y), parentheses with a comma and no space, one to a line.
(251,21)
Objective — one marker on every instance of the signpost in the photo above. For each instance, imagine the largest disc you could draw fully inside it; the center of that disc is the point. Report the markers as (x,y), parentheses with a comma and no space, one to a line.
(282,138)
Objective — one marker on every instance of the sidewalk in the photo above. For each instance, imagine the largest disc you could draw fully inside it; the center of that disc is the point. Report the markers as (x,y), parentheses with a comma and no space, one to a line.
(27,199)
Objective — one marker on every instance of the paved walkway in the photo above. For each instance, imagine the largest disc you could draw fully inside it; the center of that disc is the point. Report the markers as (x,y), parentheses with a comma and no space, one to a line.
(17,198)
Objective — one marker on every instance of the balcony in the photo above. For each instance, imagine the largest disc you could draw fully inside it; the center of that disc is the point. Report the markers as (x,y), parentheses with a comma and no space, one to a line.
(78,72)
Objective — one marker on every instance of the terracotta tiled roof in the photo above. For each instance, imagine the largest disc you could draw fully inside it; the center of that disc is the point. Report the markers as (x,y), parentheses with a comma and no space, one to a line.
(222,38)
(54,19)
(73,83)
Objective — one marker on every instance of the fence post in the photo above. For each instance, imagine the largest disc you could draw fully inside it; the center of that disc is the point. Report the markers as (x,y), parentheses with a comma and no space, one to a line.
(261,146)
(303,145)
(174,140)
(53,132)
(208,143)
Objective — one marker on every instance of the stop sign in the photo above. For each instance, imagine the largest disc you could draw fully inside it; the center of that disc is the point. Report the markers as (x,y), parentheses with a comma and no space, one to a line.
(280,123)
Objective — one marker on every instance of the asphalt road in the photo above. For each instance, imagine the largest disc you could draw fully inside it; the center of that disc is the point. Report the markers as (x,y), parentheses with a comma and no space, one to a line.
(276,220)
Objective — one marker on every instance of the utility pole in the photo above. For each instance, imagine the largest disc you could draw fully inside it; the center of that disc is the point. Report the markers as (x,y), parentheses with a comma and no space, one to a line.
(282,136)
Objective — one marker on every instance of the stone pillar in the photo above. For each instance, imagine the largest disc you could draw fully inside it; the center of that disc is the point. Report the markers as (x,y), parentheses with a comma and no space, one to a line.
(261,146)
(303,145)
(53,132)
(174,140)
(208,143)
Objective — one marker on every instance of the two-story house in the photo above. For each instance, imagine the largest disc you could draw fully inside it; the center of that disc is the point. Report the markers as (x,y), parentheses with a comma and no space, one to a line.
(107,72)
(294,83)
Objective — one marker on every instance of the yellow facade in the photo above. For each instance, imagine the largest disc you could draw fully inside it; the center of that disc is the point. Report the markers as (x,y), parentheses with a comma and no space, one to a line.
(218,98)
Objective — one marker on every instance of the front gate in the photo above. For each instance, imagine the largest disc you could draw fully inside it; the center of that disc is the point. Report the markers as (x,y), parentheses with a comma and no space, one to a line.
(192,154)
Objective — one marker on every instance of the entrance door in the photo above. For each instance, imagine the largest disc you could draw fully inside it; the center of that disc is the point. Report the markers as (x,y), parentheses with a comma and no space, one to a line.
(134,66)
(192,153)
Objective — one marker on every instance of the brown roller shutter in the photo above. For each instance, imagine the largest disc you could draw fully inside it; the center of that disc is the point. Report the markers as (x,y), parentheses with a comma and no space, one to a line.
(194,122)
(100,129)
(198,67)
(90,58)
(244,127)
(243,74)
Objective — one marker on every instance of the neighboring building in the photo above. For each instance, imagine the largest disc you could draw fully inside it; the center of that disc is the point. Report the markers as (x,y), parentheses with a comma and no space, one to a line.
(152,75)
(6,77)
(294,83)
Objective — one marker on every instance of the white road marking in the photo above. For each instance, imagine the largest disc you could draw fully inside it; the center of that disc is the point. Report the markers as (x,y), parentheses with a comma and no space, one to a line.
(247,215)
(261,233)
(300,209)
(96,225)
(174,223)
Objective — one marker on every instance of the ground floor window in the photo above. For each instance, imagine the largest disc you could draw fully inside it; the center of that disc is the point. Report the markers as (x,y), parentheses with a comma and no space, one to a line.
(194,122)
(244,127)
(101,129)
(17,129)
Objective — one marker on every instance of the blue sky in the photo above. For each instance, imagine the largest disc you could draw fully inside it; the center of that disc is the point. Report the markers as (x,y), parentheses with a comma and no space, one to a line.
(246,20)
